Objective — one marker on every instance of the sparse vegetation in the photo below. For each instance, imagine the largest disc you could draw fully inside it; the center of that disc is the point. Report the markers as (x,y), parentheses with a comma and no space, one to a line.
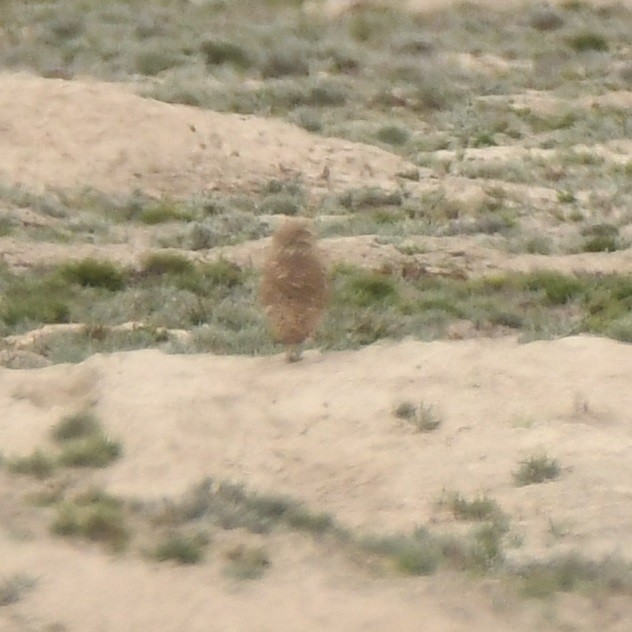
(423,417)
(94,273)
(39,464)
(91,451)
(514,135)
(574,572)
(83,443)
(246,562)
(536,469)
(94,516)
(480,508)
(76,426)
(181,548)
(588,41)
(13,587)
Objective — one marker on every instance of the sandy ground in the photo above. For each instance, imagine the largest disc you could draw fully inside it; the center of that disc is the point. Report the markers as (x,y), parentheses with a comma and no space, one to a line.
(325,432)
(322,431)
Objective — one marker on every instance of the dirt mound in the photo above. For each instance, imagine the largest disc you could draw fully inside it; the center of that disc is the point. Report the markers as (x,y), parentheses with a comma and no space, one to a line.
(84,134)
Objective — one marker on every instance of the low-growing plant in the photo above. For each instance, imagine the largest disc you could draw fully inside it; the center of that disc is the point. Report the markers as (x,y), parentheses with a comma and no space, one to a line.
(588,41)
(536,469)
(94,516)
(364,289)
(247,562)
(38,464)
(546,18)
(423,417)
(602,237)
(393,135)
(13,587)
(152,60)
(181,548)
(481,508)
(34,301)
(557,288)
(90,451)
(76,426)
(165,210)
(574,572)
(289,60)
(219,51)
(94,273)
(166,263)
(412,555)
(370,197)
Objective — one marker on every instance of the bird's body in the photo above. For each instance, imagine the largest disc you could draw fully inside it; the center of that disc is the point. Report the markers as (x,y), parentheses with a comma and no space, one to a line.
(294,288)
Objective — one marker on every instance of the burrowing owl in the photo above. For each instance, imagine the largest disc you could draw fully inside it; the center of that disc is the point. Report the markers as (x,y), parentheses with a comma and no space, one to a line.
(294,288)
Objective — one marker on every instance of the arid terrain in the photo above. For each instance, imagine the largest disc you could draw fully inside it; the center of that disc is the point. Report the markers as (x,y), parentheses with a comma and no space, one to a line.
(454,451)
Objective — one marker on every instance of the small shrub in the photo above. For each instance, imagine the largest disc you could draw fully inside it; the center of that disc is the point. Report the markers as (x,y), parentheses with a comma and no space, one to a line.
(65,26)
(165,210)
(588,41)
(406,410)
(152,60)
(184,549)
(91,451)
(601,238)
(201,237)
(486,550)
(558,288)
(94,516)
(546,18)
(7,224)
(38,464)
(12,588)
(309,119)
(94,273)
(247,562)
(422,417)
(218,52)
(279,204)
(536,469)
(571,572)
(291,60)
(370,197)
(364,289)
(566,197)
(79,425)
(480,508)
(35,302)
(393,135)
(163,263)
(327,93)
(417,555)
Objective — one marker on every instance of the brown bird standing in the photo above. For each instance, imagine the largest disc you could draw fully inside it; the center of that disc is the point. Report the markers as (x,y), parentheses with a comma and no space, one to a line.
(294,288)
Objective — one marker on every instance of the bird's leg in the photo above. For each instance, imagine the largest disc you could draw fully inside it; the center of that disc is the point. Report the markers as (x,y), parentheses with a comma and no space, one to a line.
(293,353)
